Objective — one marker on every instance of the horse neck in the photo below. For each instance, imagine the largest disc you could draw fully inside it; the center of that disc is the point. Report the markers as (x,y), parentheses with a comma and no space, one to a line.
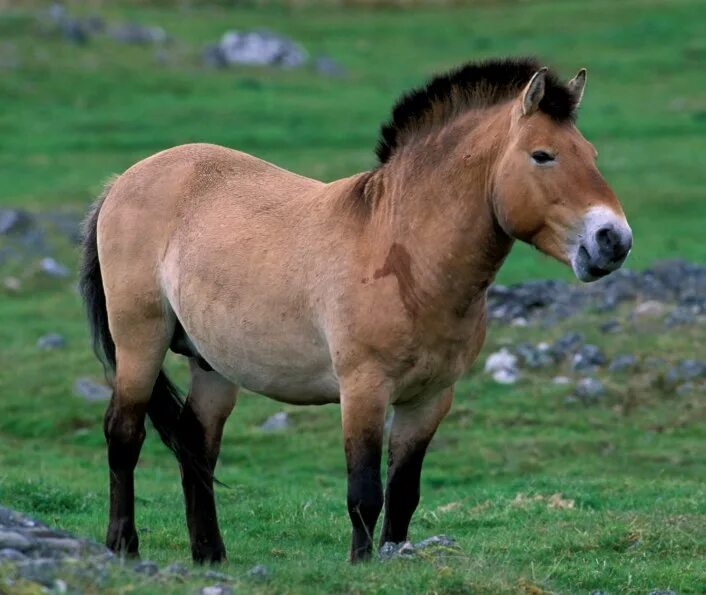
(436,202)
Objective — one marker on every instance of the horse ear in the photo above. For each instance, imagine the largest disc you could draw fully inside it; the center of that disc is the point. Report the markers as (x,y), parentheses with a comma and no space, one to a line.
(576,86)
(533,93)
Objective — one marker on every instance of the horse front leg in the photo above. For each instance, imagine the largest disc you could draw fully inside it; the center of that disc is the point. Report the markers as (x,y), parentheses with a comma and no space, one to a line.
(413,427)
(363,414)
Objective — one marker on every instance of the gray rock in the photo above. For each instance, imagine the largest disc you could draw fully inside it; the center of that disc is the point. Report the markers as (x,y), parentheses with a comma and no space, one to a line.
(276,423)
(688,369)
(587,357)
(257,48)
(435,541)
(214,575)
(502,366)
(215,590)
(685,389)
(137,34)
(51,341)
(610,326)
(259,572)
(14,540)
(92,391)
(11,555)
(42,571)
(213,56)
(566,345)
(52,268)
(146,567)
(680,316)
(178,569)
(389,550)
(534,357)
(589,390)
(329,67)
(59,545)
(650,309)
(14,221)
(623,363)
(662,592)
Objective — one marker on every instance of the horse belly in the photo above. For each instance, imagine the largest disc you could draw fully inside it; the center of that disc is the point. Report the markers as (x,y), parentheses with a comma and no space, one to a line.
(286,360)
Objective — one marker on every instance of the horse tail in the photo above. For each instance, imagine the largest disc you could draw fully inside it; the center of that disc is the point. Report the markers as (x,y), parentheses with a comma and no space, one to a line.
(166,404)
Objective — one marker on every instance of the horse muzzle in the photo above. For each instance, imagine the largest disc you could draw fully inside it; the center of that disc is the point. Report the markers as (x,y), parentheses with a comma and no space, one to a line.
(602,244)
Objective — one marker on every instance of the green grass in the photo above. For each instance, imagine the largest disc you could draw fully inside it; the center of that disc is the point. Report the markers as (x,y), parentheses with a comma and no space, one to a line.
(633,464)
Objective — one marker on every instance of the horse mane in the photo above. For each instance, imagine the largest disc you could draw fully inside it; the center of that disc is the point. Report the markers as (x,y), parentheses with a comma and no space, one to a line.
(473,85)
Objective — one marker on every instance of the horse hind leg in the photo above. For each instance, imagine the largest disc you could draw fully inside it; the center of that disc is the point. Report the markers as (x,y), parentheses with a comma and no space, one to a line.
(211,400)
(139,354)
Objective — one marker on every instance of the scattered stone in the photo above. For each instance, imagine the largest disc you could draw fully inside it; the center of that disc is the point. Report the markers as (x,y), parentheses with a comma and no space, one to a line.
(137,34)
(589,390)
(14,541)
(255,48)
(52,268)
(435,541)
(688,369)
(51,341)
(216,590)
(218,576)
(561,380)
(92,391)
(42,571)
(680,316)
(11,555)
(502,366)
(276,423)
(685,389)
(146,567)
(178,569)
(389,550)
(623,363)
(259,572)
(60,544)
(534,357)
(587,357)
(567,344)
(662,592)
(611,326)
(14,221)
(650,309)
(506,376)
(329,67)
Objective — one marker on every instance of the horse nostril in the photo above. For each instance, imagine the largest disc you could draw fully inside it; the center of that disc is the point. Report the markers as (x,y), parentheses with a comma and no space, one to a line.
(611,243)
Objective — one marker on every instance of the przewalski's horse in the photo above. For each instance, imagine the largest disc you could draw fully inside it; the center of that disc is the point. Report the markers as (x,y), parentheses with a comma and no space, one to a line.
(368,291)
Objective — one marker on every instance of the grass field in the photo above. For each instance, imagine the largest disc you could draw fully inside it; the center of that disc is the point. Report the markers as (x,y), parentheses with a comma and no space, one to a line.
(634,464)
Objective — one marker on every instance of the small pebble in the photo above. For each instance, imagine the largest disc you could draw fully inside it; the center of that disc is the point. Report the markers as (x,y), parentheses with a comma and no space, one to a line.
(276,423)
(259,572)
(51,341)
(216,590)
(52,268)
(146,567)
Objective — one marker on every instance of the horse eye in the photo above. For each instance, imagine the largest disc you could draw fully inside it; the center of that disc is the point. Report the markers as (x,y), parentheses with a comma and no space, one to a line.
(542,157)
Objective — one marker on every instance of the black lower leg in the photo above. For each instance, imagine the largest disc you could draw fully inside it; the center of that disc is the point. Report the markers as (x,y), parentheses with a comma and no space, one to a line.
(365,496)
(124,433)
(402,493)
(198,461)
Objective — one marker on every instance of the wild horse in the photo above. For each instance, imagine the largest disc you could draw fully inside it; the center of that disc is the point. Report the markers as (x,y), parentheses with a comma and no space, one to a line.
(368,291)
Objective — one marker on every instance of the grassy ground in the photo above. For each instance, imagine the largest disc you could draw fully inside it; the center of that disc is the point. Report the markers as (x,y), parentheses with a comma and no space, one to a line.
(633,464)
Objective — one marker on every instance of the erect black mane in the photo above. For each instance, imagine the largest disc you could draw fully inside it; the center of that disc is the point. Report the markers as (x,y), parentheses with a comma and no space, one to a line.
(474,85)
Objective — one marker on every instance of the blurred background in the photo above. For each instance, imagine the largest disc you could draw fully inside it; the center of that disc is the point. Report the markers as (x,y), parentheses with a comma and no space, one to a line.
(89,88)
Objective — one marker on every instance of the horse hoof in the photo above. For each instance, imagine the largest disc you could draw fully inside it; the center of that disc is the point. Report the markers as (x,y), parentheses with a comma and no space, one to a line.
(207,554)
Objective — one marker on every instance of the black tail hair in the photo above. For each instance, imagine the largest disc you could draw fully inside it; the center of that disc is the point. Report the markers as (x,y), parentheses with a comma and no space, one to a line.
(166,404)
